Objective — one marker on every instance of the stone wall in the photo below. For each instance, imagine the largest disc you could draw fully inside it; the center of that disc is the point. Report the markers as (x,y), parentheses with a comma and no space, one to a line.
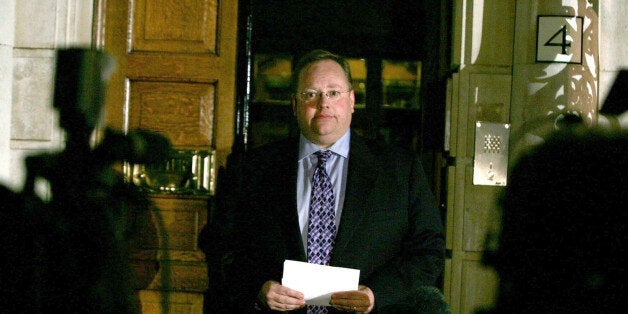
(613,42)
(7,17)
(33,29)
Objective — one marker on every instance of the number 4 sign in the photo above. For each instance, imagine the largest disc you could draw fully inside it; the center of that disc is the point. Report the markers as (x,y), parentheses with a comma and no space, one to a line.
(559,39)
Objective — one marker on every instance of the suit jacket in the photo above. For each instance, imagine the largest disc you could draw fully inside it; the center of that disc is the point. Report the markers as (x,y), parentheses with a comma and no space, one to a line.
(390,227)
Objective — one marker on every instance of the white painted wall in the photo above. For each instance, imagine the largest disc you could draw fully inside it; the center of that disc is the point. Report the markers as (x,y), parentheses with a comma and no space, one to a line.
(29,34)
(7,18)
(613,43)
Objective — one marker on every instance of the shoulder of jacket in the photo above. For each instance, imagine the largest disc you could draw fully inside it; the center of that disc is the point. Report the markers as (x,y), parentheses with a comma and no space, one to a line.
(384,150)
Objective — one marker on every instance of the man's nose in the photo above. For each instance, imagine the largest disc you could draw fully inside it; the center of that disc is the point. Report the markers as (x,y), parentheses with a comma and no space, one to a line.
(322,101)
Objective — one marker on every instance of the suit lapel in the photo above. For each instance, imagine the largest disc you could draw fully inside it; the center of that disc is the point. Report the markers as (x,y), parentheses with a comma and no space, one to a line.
(363,170)
(286,194)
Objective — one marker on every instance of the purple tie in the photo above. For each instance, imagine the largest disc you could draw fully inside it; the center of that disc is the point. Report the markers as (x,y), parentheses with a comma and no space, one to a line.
(322,222)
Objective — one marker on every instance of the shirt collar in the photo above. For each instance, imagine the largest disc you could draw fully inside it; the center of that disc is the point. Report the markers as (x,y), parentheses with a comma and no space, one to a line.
(340,147)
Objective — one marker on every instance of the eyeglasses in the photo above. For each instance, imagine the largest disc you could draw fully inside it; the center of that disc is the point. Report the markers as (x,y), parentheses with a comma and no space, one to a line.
(311,95)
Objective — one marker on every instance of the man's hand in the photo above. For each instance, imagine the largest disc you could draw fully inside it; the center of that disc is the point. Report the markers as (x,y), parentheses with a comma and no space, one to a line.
(360,301)
(280,298)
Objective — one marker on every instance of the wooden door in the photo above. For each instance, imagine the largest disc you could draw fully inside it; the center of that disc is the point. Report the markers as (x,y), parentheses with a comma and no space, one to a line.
(175,74)
(175,69)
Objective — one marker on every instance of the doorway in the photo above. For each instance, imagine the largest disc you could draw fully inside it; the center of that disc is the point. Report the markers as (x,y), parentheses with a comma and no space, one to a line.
(402,48)
(399,55)
(398,49)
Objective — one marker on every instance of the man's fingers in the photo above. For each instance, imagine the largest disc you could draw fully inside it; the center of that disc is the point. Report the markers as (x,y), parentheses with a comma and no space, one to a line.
(281,298)
(283,290)
(353,301)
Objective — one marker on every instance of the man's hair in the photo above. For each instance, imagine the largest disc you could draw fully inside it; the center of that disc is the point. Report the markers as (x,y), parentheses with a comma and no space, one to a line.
(315,56)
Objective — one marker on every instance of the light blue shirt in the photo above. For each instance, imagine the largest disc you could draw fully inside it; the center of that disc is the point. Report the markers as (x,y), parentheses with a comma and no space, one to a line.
(336,167)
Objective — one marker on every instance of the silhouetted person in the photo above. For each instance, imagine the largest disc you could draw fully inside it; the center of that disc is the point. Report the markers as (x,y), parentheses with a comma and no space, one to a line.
(68,253)
(562,246)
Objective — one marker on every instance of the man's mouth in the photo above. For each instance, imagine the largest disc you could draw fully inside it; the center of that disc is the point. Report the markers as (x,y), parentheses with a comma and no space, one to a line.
(323,116)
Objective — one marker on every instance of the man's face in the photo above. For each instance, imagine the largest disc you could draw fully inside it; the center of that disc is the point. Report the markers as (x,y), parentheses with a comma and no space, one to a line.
(321,120)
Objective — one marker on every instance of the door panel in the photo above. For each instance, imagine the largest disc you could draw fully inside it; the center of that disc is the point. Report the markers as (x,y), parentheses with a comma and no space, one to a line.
(175,69)
(480,90)
(178,26)
(181,111)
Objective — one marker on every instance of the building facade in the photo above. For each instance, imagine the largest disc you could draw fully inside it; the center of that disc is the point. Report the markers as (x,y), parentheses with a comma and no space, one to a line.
(500,77)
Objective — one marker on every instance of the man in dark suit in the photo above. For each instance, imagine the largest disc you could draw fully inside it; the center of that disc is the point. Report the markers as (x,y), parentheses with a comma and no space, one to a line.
(384,218)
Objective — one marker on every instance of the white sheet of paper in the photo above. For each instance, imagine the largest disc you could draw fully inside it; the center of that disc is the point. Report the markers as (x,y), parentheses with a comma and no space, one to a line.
(318,282)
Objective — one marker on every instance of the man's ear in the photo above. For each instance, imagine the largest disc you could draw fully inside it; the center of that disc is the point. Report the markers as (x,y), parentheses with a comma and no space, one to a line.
(293,101)
(352,97)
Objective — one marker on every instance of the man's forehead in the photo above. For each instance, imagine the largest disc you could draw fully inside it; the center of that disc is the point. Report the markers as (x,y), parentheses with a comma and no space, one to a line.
(334,74)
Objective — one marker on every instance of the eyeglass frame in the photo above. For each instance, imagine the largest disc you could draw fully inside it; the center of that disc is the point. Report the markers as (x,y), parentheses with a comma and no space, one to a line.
(320,93)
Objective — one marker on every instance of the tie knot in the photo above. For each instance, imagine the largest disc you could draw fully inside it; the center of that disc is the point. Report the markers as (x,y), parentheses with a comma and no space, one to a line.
(322,156)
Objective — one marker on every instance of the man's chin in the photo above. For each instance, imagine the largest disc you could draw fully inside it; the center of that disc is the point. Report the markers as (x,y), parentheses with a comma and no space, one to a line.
(324,139)
(323,132)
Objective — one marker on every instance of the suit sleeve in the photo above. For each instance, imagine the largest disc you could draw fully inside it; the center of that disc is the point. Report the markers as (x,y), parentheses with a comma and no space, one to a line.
(224,244)
(421,259)
(249,227)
